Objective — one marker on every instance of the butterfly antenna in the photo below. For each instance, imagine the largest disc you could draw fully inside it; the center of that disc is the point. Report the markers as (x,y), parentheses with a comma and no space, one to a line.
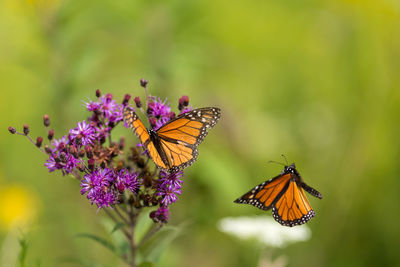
(287,163)
(280,163)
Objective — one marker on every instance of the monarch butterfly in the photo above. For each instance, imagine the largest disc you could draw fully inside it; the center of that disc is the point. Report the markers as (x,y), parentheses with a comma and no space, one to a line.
(285,195)
(174,145)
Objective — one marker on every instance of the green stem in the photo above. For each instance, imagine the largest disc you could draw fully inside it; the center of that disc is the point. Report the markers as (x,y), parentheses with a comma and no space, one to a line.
(149,234)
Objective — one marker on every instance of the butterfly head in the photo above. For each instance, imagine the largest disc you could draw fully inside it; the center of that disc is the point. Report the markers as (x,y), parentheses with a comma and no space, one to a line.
(291,169)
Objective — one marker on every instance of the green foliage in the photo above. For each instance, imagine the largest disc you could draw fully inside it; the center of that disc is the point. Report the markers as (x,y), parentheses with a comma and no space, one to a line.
(315,80)
(24,250)
(117,227)
(107,244)
(151,250)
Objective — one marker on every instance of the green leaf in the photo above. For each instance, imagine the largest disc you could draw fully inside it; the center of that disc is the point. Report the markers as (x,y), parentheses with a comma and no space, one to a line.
(143,224)
(100,240)
(153,248)
(119,240)
(24,249)
(117,227)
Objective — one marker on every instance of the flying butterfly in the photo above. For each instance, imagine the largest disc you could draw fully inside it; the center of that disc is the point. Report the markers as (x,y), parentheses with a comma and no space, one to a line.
(285,195)
(174,145)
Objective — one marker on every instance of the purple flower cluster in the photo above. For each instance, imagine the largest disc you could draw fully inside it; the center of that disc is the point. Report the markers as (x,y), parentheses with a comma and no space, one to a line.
(108,175)
(107,109)
(169,187)
(104,186)
(60,158)
(159,112)
(66,153)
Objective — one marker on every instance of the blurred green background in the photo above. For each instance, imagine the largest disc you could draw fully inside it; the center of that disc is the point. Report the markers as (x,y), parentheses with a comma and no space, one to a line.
(315,80)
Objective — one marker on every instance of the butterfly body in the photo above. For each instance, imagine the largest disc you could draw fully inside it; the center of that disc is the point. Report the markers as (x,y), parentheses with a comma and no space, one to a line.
(285,195)
(174,145)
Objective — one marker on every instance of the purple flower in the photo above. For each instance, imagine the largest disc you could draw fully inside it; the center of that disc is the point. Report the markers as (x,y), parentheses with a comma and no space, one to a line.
(117,115)
(62,161)
(111,109)
(171,179)
(60,143)
(52,164)
(70,163)
(160,215)
(84,132)
(102,132)
(92,106)
(160,122)
(158,108)
(108,105)
(185,110)
(160,111)
(127,180)
(168,193)
(97,185)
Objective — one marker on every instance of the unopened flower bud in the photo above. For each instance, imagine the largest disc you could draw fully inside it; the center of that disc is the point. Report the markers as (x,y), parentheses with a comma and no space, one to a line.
(61,146)
(126,99)
(121,144)
(46,120)
(73,150)
(98,93)
(81,153)
(50,134)
(12,130)
(89,151)
(138,102)
(63,156)
(78,139)
(26,129)
(39,141)
(153,215)
(143,83)
(56,158)
(183,102)
(80,167)
(153,122)
(47,149)
(91,164)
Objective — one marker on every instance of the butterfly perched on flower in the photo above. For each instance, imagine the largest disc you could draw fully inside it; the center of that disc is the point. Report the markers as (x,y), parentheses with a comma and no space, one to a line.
(174,145)
(285,195)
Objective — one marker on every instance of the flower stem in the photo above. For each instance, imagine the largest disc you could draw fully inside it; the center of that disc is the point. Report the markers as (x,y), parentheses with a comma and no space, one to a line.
(149,234)
(121,216)
(124,231)
(33,142)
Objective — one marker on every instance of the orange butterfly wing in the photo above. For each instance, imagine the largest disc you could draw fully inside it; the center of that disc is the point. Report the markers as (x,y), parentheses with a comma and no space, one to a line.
(265,195)
(180,137)
(293,207)
(140,130)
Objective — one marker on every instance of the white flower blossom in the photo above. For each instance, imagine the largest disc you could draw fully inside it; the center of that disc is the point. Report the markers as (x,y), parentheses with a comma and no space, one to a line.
(264,229)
